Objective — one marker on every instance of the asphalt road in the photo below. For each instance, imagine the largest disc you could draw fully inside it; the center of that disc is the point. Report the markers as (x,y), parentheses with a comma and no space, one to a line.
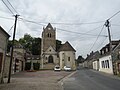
(86,79)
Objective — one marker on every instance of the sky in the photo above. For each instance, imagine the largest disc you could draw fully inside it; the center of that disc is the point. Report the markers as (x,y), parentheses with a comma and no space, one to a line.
(81,22)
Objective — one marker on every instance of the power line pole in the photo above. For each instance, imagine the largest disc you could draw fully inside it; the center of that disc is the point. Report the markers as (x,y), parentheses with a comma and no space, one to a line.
(107,24)
(16,16)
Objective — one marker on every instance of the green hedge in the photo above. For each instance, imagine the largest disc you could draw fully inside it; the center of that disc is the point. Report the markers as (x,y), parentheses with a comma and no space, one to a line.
(27,65)
(36,66)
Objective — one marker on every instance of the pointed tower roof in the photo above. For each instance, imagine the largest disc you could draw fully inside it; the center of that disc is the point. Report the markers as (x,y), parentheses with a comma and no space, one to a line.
(49,26)
(66,47)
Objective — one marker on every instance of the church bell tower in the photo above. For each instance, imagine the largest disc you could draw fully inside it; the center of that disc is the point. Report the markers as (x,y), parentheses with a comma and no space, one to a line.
(48,38)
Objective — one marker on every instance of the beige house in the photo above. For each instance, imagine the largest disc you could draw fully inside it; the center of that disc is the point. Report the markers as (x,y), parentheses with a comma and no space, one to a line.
(96,64)
(67,56)
(50,56)
(18,58)
(4,36)
(18,61)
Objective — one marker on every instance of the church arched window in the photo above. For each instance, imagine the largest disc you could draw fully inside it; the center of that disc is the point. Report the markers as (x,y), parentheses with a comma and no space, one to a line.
(48,34)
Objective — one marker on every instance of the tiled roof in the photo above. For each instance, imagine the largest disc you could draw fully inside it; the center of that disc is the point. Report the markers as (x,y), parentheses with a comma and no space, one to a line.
(66,47)
(113,43)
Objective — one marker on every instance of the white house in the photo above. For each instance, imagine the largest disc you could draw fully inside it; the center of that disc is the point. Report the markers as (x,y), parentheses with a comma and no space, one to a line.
(105,64)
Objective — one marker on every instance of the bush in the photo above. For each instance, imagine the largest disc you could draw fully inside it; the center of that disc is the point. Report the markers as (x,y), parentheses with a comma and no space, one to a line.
(27,65)
(36,66)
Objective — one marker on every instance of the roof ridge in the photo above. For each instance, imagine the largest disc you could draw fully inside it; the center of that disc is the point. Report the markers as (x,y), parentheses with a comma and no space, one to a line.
(66,47)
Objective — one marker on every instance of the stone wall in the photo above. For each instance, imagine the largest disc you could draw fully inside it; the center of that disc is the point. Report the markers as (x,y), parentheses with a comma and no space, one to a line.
(7,64)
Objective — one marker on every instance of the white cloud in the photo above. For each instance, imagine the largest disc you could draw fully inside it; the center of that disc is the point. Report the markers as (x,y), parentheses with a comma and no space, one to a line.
(66,11)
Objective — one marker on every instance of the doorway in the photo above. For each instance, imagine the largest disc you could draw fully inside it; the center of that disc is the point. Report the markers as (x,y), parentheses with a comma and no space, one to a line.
(50,59)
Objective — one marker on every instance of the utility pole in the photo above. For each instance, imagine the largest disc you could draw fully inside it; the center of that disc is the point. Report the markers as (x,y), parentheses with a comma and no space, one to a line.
(107,24)
(16,16)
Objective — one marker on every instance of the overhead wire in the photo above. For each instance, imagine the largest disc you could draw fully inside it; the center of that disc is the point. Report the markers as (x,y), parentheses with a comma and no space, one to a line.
(78,23)
(79,32)
(7,7)
(12,6)
(113,15)
(11,28)
(96,39)
(30,21)
(102,42)
(6,18)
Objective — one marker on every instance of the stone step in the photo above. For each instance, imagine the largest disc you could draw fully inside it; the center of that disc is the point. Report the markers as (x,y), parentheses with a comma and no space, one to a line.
(49,66)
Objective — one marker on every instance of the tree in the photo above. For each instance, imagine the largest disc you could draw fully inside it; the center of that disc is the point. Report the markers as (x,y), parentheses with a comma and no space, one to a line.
(80,59)
(36,46)
(9,45)
(26,42)
(58,44)
(32,44)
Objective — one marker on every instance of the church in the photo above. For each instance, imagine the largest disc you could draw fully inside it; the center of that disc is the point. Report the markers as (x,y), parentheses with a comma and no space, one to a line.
(50,57)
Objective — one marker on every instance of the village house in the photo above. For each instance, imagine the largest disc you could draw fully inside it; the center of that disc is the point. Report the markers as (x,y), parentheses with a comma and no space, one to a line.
(4,36)
(91,60)
(116,58)
(50,57)
(67,56)
(106,61)
(19,58)
(18,61)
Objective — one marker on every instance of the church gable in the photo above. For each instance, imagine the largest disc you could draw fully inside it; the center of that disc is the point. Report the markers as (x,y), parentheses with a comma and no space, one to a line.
(50,49)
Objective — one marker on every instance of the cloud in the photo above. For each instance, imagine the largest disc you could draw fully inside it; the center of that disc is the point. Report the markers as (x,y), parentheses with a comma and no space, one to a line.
(65,11)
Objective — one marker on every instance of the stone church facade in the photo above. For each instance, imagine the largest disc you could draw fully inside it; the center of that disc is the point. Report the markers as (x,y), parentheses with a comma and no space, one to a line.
(49,56)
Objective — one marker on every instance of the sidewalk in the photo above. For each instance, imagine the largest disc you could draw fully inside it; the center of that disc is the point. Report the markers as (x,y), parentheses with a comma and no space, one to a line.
(41,80)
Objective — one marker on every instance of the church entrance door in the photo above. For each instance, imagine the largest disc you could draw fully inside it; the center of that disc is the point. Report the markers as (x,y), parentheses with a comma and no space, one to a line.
(50,59)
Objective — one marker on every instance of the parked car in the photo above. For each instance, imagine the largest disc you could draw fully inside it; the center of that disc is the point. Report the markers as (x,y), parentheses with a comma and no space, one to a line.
(57,68)
(66,68)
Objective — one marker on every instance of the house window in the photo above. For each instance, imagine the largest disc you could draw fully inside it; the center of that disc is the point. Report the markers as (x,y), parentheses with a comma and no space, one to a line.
(68,58)
(62,59)
(108,63)
(103,64)
(46,58)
